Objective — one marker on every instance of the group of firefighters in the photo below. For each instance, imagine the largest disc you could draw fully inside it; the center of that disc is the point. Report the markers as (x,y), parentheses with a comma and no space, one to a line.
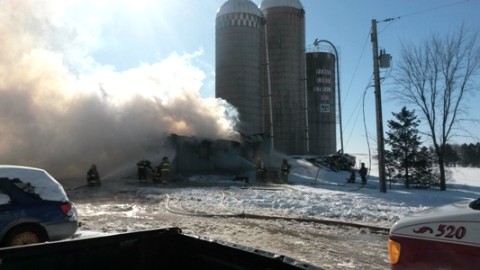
(363,175)
(261,171)
(161,173)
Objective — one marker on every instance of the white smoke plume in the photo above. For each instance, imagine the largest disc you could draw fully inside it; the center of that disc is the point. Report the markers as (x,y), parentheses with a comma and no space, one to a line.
(61,110)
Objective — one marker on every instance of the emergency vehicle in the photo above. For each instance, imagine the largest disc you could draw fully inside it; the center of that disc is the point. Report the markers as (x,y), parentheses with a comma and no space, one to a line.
(447,237)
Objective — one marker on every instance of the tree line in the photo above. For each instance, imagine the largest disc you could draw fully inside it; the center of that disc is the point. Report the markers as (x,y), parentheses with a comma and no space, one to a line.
(465,155)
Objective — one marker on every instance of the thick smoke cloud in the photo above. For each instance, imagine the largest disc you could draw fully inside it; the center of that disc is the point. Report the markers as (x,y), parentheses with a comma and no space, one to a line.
(62,111)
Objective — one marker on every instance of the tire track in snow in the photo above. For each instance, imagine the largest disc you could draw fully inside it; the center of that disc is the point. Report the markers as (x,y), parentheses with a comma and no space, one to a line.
(180,210)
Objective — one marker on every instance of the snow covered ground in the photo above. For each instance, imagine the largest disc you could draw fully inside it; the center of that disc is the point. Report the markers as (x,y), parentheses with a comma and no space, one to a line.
(218,208)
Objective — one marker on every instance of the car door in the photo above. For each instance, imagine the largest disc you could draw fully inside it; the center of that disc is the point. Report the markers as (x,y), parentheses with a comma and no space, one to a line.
(7,211)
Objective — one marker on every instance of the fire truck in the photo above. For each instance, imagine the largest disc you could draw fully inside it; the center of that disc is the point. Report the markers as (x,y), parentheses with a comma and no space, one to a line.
(446,237)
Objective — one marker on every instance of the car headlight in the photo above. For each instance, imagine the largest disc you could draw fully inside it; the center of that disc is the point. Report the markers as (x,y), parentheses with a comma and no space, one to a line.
(393,251)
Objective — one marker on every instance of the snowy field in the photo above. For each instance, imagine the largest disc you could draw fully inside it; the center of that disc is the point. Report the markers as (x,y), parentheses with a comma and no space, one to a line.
(219,208)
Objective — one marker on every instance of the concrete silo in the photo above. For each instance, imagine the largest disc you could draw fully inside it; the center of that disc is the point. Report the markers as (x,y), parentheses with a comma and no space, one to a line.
(239,53)
(285,33)
(321,102)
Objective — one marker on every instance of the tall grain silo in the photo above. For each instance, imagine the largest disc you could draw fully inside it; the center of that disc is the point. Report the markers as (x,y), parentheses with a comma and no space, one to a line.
(321,102)
(239,54)
(285,33)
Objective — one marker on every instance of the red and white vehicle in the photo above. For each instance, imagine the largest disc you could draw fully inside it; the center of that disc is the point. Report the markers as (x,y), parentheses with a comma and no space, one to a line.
(446,237)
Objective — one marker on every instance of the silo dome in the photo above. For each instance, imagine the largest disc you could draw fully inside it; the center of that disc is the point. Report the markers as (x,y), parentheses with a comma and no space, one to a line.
(280,3)
(239,6)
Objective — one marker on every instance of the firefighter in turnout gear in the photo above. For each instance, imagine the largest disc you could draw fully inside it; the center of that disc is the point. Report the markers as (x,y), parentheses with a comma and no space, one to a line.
(142,166)
(157,175)
(363,173)
(284,171)
(352,177)
(260,170)
(93,177)
(165,170)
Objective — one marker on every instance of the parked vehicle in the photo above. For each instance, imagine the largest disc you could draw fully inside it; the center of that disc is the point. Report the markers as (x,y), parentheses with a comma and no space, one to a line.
(446,237)
(34,207)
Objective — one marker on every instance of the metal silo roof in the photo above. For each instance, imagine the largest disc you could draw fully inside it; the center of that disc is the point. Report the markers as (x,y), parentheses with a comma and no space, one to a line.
(239,6)
(280,3)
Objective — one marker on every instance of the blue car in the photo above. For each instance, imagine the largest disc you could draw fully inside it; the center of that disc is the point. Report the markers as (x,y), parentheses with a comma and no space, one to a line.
(34,207)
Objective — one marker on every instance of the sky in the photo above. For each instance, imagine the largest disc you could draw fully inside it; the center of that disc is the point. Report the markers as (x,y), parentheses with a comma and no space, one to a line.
(347,24)
(101,81)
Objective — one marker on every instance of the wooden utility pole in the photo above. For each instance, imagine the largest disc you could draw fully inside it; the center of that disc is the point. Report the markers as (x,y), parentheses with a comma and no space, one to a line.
(378,106)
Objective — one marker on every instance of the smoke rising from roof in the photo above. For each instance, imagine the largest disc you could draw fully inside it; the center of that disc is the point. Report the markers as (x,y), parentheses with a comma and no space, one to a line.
(62,110)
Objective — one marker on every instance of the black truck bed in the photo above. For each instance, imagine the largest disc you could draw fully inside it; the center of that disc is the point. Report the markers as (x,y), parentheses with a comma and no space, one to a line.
(151,249)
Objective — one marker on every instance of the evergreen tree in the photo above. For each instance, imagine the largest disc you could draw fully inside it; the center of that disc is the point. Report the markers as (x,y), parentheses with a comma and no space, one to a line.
(390,165)
(468,154)
(404,142)
(451,156)
(476,161)
(422,168)
(458,150)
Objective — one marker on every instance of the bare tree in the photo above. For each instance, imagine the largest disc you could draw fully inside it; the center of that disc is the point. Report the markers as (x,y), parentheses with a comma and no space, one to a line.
(437,76)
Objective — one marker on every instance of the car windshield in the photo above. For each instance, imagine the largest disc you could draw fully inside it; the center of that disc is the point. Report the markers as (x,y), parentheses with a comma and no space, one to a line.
(34,181)
(4,198)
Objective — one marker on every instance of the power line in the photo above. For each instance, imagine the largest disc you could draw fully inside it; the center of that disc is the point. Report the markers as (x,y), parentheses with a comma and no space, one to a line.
(356,67)
(420,12)
(367,38)
(357,114)
(431,9)
(365,125)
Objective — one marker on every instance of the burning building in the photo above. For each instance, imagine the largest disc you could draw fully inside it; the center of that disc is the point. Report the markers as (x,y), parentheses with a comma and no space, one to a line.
(202,156)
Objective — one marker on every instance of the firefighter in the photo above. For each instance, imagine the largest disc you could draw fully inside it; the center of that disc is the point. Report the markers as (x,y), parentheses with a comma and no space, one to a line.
(165,170)
(352,177)
(157,174)
(284,171)
(93,177)
(260,170)
(142,166)
(363,173)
